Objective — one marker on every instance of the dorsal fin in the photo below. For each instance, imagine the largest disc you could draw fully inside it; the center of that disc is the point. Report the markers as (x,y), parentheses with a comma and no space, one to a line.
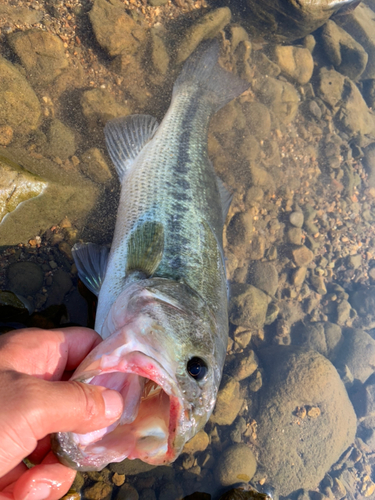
(145,248)
(125,137)
(91,262)
(225,198)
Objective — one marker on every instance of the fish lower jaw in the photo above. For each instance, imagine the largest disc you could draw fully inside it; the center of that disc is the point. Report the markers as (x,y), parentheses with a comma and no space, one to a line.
(147,428)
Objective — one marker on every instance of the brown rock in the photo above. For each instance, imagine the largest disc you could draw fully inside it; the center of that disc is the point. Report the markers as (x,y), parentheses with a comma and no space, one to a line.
(302,256)
(228,403)
(198,443)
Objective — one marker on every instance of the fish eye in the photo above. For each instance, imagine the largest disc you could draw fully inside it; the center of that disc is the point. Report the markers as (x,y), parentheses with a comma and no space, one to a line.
(197,368)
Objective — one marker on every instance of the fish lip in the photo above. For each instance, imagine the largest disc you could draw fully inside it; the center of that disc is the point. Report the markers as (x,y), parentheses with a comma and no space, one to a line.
(149,369)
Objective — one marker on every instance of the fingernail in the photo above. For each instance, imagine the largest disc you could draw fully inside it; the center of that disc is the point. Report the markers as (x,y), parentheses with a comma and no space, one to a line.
(40,491)
(113,404)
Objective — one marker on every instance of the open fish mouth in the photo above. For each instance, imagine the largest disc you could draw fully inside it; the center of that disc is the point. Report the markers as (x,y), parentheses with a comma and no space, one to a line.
(149,423)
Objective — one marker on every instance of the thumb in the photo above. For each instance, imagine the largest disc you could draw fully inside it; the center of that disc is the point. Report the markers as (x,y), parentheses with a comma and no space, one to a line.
(36,408)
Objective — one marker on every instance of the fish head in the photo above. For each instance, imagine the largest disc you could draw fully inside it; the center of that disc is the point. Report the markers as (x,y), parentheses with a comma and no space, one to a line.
(162,352)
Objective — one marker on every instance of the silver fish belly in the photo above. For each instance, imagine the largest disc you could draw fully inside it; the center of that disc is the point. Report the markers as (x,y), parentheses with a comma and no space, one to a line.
(162,307)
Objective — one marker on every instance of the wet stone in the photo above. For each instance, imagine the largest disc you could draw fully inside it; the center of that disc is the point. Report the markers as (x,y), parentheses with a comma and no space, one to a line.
(61,140)
(245,365)
(99,106)
(348,56)
(99,491)
(357,352)
(295,62)
(170,491)
(228,403)
(280,97)
(257,247)
(302,256)
(147,494)
(318,284)
(294,236)
(298,276)
(95,167)
(198,443)
(236,464)
(61,285)
(296,219)
(208,26)
(248,306)
(258,119)
(263,275)
(24,278)
(115,31)
(41,53)
(118,479)
(6,135)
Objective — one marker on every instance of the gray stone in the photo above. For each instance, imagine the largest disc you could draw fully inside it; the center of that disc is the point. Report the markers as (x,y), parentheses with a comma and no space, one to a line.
(369,164)
(363,301)
(66,193)
(95,166)
(258,119)
(115,31)
(299,378)
(347,56)
(16,186)
(240,229)
(280,97)
(263,275)
(24,278)
(357,352)
(360,25)
(248,306)
(171,491)
(237,464)
(207,26)
(294,236)
(130,467)
(228,402)
(41,53)
(302,256)
(286,20)
(61,285)
(99,106)
(295,62)
(61,140)
(245,365)
(296,219)
(317,282)
(323,337)
(19,105)
(20,15)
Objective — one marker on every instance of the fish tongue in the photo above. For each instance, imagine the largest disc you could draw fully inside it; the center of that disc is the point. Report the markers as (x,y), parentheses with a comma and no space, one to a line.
(130,386)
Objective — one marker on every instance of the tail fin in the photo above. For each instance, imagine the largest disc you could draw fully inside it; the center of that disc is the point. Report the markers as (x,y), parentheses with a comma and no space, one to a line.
(203,74)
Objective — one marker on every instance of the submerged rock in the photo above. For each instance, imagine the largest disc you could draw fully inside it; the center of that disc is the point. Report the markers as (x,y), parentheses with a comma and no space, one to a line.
(115,31)
(19,105)
(237,464)
(16,186)
(323,337)
(295,62)
(61,140)
(297,452)
(347,56)
(99,106)
(24,278)
(228,403)
(95,166)
(41,53)
(263,275)
(287,20)
(207,26)
(248,306)
(357,352)
(280,97)
(360,25)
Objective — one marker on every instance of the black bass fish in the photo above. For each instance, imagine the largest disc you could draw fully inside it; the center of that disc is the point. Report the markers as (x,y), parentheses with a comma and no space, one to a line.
(162,308)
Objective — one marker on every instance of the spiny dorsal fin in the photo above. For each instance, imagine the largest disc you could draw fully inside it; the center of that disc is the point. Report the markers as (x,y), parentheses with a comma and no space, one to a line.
(145,248)
(91,262)
(125,137)
(225,198)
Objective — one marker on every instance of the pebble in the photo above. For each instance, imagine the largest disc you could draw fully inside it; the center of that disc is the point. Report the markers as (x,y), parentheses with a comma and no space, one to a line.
(236,464)
(302,256)
(118,479)
(296,219)
(228,402)
(245,365)
(198,443)
(98,491)
(298,276)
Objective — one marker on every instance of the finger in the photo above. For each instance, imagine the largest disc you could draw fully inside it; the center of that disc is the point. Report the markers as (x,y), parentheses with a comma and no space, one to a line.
(45,481)
(46,353)
(12,476)
(36,408)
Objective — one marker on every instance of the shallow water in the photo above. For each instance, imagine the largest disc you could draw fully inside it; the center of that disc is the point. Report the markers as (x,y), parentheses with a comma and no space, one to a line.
(296,151)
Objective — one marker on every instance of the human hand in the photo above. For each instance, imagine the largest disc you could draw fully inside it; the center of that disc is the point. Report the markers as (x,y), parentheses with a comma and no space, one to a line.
(35,401)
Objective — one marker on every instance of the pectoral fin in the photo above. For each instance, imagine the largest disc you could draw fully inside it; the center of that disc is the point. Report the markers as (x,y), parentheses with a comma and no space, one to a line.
(145,248)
